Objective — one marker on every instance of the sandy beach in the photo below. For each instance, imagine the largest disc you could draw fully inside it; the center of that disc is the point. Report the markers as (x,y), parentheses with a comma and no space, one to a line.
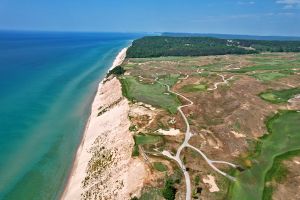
(103,167)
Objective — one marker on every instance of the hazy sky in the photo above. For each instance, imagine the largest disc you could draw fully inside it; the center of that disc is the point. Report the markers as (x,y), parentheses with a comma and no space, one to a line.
(262,17)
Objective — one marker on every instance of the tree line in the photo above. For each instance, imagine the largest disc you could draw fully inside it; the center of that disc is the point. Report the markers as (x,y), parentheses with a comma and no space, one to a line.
(158,46)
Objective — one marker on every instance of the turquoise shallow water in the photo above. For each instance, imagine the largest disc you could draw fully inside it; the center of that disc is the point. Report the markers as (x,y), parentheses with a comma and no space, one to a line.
(47,84)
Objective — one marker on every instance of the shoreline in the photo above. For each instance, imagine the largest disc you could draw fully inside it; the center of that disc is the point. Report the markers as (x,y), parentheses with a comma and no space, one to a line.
(73,188)
(118,60)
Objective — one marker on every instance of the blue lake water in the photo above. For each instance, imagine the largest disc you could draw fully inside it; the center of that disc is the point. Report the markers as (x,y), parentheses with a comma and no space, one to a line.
(47,84)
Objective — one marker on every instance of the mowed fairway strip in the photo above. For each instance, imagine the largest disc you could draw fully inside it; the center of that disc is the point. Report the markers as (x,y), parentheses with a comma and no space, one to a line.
(271,63)
(194,88)
(269,76)
(153,94)
(147,139)
(280,96)
(284,137)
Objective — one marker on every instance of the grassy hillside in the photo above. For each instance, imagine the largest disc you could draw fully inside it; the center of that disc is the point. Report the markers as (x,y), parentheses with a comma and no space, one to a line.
(157,46)
(153,94)
(282,139)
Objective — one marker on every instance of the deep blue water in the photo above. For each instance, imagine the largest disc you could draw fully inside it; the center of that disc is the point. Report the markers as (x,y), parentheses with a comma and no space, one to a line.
(47,84)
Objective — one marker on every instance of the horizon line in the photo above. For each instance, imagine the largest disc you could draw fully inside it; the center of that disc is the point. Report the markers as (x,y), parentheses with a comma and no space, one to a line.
(143,32)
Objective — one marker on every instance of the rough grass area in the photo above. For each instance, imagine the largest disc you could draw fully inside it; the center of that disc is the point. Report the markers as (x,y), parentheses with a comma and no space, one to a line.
(269,76)
(168,191)
(262,63)
(194,88)
(160,166)
(277,173)
(169,79)
(135,151)
(147,139)
(153,94)
(283,137)
(279,96)
(152,194)
(284,65)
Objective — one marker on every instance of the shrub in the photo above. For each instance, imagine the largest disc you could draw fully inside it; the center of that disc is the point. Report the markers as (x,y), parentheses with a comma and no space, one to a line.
(119,70)
(169,191)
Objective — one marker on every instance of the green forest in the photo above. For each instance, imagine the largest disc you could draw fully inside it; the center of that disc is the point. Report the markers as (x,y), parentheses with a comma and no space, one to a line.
(159,46)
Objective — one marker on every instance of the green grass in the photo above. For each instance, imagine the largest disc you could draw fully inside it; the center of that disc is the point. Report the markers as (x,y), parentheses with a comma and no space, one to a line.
(147,139)
(214,66)
(204,74)
(158,59)
(194,88)
(270,64)
(160,166)
(197,180)
(153,94)
(169,79)
(279,96)
(269,96)
(169,191)
(277,173)
(284,136)
(135,151)
(269,76)
(151,194)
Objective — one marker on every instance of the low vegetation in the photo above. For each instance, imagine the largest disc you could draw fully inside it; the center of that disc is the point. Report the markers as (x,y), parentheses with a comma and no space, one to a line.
(141,139)
(271,63)
(169,191)
(283,137)
(119,70)
(269,76)
(135,151)
(280,96)
(153,94)
(194,88)
(160,166)
(232,107)
(277,173)
(151,194)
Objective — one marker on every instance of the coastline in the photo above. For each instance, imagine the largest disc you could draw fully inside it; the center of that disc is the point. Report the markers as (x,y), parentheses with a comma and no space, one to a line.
(106,135)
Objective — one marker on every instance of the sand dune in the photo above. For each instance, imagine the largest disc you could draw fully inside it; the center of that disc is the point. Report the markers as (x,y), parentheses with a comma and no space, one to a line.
(104,167)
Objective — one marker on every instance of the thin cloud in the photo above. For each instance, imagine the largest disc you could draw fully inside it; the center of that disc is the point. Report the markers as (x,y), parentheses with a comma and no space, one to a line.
(289,4)
(253,16)
(246,2)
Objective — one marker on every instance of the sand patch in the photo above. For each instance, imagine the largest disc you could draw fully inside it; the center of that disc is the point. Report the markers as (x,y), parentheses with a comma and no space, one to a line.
(170,132)
(210,180)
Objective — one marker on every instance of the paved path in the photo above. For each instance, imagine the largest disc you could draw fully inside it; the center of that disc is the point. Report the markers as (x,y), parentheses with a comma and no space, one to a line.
(185,144)
(224,81)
